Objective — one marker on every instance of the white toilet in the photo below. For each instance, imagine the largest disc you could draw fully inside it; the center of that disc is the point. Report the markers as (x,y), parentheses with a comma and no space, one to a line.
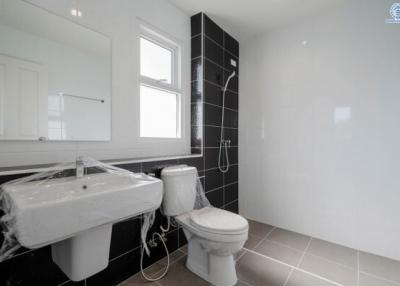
(214,235)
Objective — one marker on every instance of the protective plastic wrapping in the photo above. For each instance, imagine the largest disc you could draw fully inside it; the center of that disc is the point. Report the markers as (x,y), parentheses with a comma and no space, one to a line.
(183,191)
(201,199)
(70,198)
(180,202)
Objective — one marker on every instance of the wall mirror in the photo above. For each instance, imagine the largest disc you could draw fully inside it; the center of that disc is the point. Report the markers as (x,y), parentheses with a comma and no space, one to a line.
(55,77)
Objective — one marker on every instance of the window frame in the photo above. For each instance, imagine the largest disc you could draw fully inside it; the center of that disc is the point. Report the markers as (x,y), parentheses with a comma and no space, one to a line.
(175,87)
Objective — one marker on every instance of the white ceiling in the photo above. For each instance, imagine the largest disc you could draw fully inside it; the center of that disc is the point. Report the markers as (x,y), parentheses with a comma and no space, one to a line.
(246,18)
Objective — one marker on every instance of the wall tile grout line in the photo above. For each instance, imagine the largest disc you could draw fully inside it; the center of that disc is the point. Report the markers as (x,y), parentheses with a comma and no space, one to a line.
(220,106)
(222,47)
(217,85)
(125,253)
(216,126)
(218,65)
(216,105)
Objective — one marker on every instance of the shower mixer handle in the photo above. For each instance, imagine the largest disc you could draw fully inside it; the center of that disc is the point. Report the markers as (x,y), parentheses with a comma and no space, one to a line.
(225,142)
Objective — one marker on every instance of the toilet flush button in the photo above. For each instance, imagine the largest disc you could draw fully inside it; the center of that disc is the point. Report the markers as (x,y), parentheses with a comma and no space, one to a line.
(233,63)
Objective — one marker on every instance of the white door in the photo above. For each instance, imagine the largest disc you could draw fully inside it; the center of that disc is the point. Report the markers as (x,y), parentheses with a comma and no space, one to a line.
(23,99)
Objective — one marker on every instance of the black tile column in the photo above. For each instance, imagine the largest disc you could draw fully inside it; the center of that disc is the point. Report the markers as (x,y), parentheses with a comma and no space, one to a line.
(217,53)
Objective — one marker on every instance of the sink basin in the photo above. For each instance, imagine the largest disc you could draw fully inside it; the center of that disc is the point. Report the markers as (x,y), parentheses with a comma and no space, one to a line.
(75,215)
(60,208)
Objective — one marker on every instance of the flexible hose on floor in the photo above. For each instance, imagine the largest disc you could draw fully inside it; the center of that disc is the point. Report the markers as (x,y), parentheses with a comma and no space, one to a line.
(147,222)
(166,268)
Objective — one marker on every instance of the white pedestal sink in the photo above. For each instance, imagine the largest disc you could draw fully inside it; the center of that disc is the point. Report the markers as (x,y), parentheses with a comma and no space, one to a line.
(75,215)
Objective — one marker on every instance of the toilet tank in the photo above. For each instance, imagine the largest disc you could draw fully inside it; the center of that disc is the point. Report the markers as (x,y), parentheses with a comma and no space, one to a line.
(179,189)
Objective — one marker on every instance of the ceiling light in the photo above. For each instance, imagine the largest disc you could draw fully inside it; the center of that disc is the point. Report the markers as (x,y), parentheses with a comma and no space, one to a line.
(76,13)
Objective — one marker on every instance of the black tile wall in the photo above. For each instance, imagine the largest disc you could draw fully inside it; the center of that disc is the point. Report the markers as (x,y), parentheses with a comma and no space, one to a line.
(231,193)
(214,180)
(231,118)
(213,52)
(229,62)
(213,93)
(35,267)
(216,197)
(196,23)
(231,100)
(213,31)
(196,46)
(213,72)
(212,115)
(231,44)
(197,69)
(210,158)
(124,237)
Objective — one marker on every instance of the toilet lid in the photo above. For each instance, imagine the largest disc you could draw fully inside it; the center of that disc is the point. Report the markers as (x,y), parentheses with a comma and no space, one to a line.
(218,221)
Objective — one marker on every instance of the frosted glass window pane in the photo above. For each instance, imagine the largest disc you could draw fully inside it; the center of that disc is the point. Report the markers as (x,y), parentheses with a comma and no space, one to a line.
(155,61)
(158,113)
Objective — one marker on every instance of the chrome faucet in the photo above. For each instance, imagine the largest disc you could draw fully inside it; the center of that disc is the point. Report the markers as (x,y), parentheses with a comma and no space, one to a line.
(80,167)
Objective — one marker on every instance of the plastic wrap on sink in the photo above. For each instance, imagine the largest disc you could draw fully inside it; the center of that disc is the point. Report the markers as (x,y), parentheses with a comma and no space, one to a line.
(38,208)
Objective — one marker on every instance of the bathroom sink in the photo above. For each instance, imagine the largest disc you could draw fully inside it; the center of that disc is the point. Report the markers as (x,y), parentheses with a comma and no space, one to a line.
(75,215)
(59,208)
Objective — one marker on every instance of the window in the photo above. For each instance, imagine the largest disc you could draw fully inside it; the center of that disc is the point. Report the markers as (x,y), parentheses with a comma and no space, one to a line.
(160,91)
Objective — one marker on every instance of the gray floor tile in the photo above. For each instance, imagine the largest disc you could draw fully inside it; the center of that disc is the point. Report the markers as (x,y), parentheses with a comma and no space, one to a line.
(299,278)
(329,270)
(379,266)
(256,270)
(178,274)
(239,254)
(292,239)
(138,280)
(366,280)
(184,248)
(280,252)
(337,253)
(252,241)
(258,228)
(241,283)
(174,256)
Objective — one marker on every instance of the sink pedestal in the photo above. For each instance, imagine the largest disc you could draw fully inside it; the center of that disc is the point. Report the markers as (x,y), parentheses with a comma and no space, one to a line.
(85,254)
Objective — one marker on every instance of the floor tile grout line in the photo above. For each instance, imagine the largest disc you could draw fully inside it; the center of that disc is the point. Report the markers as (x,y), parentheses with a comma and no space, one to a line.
(300,261)
(334,262)
(264,238)
(285,245)
(245,283)
(289,276)
(258,244)
(297,268)
(380,278)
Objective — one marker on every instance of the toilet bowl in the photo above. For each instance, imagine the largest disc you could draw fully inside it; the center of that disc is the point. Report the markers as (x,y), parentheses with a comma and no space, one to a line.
(214,235)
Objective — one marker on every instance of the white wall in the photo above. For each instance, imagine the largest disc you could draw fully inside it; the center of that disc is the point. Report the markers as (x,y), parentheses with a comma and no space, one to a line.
(117,19)
(320,127)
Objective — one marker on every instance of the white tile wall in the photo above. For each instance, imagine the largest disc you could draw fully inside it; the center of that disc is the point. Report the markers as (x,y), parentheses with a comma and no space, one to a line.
(320,121)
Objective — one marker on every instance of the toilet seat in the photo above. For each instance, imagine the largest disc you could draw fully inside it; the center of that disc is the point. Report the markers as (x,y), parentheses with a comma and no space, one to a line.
(202,229)
(218,221)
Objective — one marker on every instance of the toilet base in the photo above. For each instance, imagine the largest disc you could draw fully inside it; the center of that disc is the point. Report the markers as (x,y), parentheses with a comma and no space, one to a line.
(218,270)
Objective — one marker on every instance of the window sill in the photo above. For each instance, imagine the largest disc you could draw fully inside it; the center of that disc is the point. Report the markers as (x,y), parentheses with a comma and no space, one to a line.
(5,171)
